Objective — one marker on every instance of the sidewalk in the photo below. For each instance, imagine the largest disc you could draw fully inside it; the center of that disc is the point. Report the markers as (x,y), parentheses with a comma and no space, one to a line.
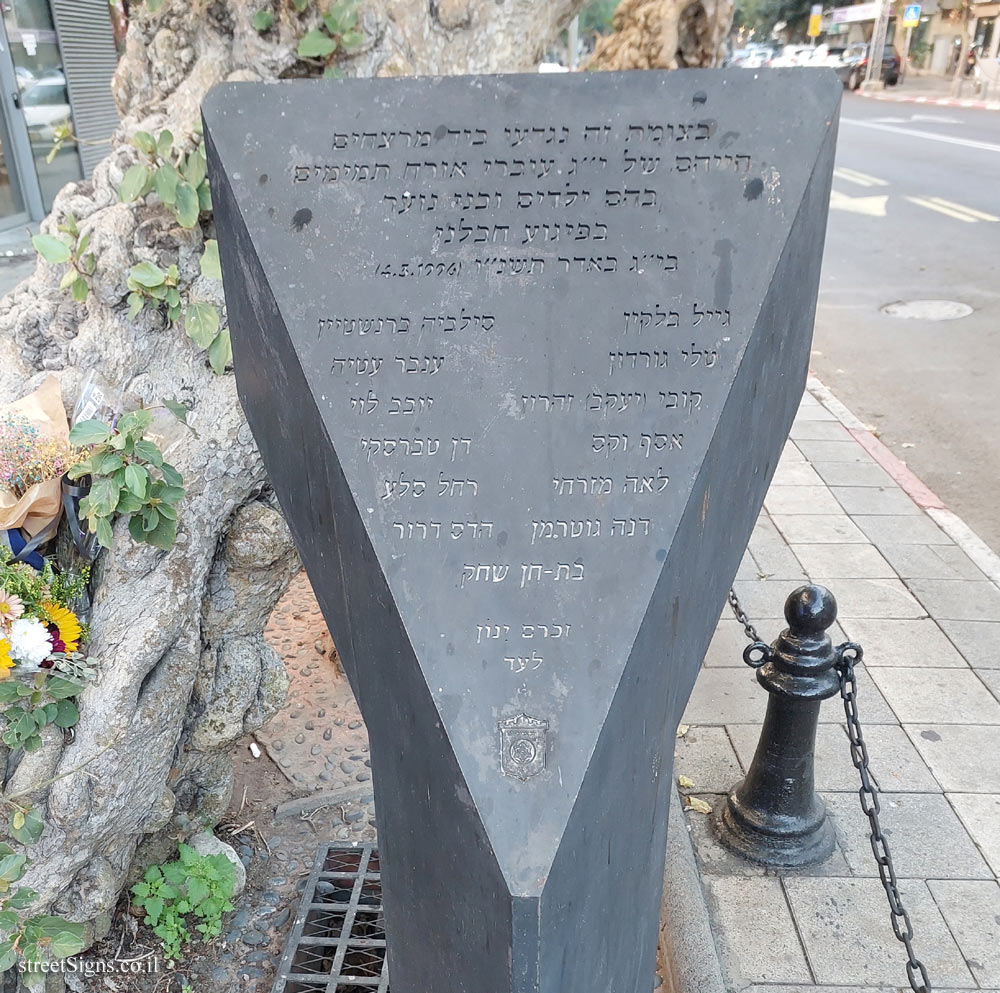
(928,619)
(936,90)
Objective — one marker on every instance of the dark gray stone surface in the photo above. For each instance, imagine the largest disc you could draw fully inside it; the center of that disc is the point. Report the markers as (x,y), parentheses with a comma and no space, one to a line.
(521,354)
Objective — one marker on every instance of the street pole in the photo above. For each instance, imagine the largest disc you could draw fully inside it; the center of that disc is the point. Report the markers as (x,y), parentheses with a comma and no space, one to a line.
(877,45)
(906,53)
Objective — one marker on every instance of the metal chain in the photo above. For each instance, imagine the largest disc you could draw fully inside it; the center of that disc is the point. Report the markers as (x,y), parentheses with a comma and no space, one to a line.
(848,656)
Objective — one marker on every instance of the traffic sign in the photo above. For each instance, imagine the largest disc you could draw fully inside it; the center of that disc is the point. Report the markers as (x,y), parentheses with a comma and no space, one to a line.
(815,16)
(911,15)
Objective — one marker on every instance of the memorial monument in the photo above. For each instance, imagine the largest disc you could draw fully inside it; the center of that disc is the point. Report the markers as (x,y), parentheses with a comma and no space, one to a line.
(521,354)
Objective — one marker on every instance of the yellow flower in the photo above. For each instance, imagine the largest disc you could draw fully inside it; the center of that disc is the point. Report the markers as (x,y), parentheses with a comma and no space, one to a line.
(65,620)
(6,662)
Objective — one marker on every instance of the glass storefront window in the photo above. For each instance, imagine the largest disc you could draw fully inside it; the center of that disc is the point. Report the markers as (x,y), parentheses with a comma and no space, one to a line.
(44,98)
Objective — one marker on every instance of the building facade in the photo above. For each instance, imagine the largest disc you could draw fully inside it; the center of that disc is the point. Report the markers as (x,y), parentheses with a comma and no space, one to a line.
(56,62)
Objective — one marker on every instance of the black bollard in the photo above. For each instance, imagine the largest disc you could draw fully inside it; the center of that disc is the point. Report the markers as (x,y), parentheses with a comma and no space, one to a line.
(774,816)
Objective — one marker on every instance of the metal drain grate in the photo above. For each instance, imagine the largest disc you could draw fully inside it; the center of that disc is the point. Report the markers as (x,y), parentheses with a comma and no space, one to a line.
(337,943)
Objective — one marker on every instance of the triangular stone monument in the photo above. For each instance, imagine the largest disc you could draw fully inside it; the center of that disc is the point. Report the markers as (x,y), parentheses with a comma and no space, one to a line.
(521,353)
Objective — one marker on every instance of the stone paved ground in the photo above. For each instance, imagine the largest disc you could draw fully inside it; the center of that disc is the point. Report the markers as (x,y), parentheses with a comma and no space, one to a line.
(929,622)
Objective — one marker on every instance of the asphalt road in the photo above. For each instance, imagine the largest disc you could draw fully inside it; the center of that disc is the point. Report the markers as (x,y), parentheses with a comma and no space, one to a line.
(915,215)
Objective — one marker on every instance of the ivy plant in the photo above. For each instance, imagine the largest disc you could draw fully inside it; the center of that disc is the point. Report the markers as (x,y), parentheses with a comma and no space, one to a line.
(69,246)
(337,31)
(201,318)
(149,284)
(179,179)
(29,707)
(195,886)
(128,476)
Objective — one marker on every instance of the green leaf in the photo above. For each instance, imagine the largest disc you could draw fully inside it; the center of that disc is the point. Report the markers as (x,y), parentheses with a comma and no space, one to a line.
(61,689)
(22,897)
(171,494)
(300,5)
(352,39)
(104,496)
(201,321)
(8,919)
(262,20)
(69,278)
(90,432)
(196,168)
(135,304)
(165,181)
(316,45)
(12,867)
(107,463)
(8,954)
(167,511)
(105,536)
(210,265)
(80,289)
(171,476)
(137,480)
(135,528)
(155,5)
(178,409)
(162,536)
(30,830)
(135,183)
(147,274)
(153,908)
(164,143)
(129,503)
(205,196)
(68,716)
(67,941)
(52,249)
(144,141)
(149,452)
(220,352)
(150,518)
(187,207)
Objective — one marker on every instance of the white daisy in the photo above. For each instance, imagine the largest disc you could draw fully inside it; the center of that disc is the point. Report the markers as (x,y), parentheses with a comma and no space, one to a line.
(30,642)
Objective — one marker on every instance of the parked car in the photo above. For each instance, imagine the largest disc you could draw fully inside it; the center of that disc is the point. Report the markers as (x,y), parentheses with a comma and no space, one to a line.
(46,105)
(853,67)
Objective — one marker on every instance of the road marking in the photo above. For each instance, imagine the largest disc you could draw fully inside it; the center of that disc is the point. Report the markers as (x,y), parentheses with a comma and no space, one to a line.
(936,119)
(860,178)
(956,210)
(929,135)
(872,206)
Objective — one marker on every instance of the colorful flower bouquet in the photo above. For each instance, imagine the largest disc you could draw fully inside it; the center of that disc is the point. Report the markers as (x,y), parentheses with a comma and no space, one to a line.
(38,630)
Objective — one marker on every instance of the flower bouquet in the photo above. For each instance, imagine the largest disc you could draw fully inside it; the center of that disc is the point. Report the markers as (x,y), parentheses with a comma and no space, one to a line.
(39,634)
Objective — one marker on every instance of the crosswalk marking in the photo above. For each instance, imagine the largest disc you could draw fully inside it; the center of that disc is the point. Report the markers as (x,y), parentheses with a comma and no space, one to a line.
(860,178)
(955,210)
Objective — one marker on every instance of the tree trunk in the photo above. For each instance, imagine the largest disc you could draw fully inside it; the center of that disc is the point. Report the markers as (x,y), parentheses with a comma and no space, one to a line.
(665,34)
(185,669)
(965,13)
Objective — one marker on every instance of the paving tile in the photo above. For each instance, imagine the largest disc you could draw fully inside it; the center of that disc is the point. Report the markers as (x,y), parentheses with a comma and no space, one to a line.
(872,598)
(874,500)
(930,562)
(823,989)
(853,474)
(833,451)
(895,762)
(873,707)
(819,430)
(958,599)
(923,695)
(926,837)
(955,754)
(800,529)
(844,925)
(901,529)
(972,911)
(748,568)
(980,813)
(991,677)
(791,454)
(796,474)
(705,755)
(773,557)
(726,696)
(756,935)
(978,641)
(843,561)
(814,411)
(800,500)
(765,597)
(888,642)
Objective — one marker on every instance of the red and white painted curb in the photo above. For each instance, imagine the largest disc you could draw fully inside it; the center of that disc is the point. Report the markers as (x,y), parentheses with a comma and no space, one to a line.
(904,477)
(935,101)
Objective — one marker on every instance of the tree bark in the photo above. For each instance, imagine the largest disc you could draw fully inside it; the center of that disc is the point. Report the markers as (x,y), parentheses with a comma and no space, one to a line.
(185,669)
(665,34)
